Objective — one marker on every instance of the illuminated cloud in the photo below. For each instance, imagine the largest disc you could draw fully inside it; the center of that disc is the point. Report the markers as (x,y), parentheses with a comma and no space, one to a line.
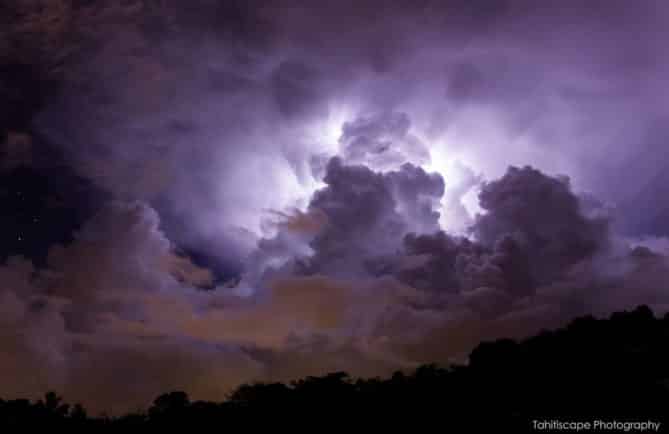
(291,190)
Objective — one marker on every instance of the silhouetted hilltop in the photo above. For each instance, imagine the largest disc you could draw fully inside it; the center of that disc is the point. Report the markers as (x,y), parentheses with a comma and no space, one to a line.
(612,369)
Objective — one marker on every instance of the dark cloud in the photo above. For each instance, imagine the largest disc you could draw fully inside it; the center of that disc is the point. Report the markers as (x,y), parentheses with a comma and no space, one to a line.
(363,214)
(361,217)
(311,163)
(120,296)
(444,264)
(531,232)
(86,314)
(297,89)
(152,93)
(431,261)
(544,219)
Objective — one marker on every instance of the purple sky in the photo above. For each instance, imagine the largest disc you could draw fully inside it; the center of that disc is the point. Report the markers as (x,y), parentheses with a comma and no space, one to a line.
(366,185)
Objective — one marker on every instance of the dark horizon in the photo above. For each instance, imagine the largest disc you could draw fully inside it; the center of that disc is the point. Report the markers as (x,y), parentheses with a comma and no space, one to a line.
(200,197)
(602,375)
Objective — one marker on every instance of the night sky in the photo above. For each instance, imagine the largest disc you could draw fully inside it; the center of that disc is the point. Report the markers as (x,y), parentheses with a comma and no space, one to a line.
(198,196)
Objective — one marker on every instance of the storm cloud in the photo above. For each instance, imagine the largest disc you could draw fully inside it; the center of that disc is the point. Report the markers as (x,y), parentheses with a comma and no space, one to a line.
(288,188)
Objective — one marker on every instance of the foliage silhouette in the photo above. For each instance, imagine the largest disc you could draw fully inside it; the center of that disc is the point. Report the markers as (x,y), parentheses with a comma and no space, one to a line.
(607,368)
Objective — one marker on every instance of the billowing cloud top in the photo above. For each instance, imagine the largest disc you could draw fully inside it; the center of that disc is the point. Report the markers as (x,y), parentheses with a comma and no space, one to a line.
(287,188)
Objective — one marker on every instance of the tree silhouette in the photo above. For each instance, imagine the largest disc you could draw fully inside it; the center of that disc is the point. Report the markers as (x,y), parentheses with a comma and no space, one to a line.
(606,368)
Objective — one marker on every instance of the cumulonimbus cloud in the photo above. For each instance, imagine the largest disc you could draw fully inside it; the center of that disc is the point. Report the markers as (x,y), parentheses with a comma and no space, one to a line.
(319,169)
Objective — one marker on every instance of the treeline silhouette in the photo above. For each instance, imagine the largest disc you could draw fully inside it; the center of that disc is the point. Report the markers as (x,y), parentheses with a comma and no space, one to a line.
(615,368)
